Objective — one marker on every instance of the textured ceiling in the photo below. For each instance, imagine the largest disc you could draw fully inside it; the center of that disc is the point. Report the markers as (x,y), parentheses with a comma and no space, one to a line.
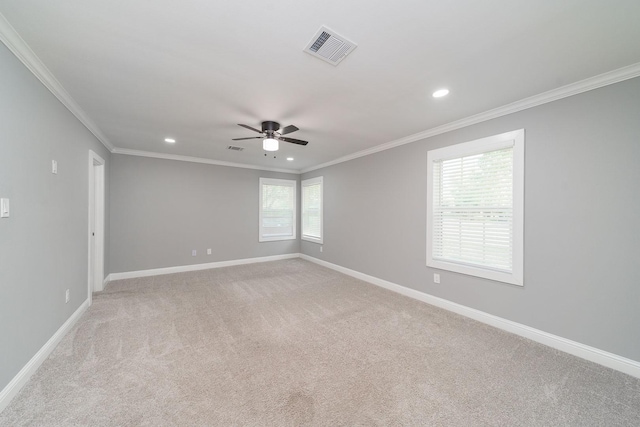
(145,70)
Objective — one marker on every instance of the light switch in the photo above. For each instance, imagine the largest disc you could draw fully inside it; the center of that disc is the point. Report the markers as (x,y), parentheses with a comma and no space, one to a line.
(4,208)
(54,166)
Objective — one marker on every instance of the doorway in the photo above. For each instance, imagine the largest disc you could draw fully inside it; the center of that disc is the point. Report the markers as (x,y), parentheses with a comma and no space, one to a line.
(96,223)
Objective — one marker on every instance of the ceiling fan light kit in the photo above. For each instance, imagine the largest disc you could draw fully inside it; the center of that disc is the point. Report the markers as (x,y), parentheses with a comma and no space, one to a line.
(270,144)
(272,135)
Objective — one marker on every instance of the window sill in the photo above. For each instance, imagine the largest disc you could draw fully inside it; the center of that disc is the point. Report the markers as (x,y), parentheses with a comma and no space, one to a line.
(312,239)
(498,276)
(275,239)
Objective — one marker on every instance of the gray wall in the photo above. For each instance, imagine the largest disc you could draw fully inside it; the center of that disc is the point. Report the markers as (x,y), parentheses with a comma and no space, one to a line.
(582,210)
(162,209)
(43,245)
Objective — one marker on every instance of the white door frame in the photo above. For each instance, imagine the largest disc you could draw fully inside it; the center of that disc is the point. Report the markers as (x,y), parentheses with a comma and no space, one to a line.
(96,224)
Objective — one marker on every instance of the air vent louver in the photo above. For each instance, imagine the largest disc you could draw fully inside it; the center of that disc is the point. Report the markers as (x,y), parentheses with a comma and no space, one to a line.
(329,46)
(234,148)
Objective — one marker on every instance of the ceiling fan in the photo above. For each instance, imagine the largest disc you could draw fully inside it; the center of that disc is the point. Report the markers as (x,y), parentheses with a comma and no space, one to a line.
(272,135)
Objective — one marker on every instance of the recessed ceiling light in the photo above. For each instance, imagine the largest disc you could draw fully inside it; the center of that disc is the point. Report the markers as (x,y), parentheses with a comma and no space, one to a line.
(290,159)
(170,140)
(440,93)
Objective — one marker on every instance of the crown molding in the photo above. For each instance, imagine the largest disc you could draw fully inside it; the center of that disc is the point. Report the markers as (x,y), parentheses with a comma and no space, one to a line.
(576,88)
(181,158)
(23,52)
(15,43)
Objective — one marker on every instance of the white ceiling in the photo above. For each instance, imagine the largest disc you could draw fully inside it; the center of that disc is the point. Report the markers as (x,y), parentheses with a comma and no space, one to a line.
(193,69)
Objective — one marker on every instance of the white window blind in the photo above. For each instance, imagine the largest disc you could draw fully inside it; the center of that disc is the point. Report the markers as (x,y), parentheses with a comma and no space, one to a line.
(473,209)
(277,209)
(312,210)
(475,224)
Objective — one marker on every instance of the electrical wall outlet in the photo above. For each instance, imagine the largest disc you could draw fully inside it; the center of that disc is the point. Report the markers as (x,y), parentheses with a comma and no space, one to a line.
(436,278)
(54,166)
(320,248)
(194,252)
(209,251)
(67,296)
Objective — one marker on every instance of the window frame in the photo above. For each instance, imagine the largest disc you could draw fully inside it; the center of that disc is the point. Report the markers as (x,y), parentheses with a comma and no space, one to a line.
(307,182)
(281,182)
(513,139)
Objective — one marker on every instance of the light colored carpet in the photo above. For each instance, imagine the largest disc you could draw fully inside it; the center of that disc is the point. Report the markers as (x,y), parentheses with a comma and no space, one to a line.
(290,343)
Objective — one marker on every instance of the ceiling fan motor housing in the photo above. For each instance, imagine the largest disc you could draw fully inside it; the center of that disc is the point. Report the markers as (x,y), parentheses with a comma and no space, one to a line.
(270,127)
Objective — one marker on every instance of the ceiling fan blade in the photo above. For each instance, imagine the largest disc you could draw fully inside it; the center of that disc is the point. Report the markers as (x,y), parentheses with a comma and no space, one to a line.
(253,137)
(250,128)
(294,141)
(288,129)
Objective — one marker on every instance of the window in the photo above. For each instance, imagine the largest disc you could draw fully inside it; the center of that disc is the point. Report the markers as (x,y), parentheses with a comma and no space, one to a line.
(475,202)
(312,209)
(277,209)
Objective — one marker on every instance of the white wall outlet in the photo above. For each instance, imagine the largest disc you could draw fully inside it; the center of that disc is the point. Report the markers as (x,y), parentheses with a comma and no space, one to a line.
(209,251)
(194,252)
(4,208)
(436,278)
(67,296)
(54,166)
(320,248)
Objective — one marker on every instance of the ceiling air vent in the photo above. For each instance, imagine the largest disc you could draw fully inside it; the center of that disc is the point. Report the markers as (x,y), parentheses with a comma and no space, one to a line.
(234,148)
(329,46)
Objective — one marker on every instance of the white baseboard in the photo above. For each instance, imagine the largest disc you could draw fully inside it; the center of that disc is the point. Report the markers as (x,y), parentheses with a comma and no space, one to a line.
(610,360)
(196,267)
(16,384)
